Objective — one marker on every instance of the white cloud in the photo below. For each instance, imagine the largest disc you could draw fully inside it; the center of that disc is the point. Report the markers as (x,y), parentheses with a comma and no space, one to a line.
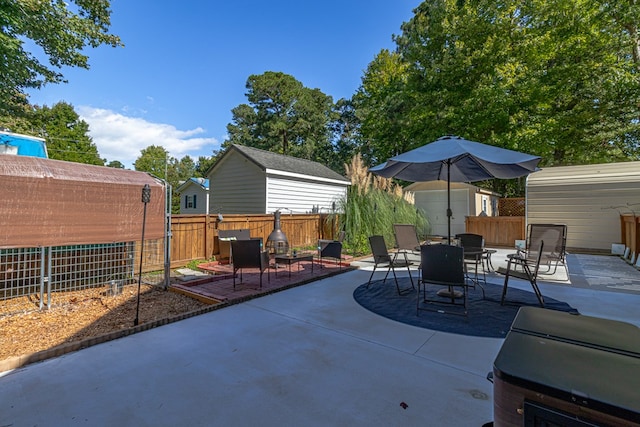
(121,138)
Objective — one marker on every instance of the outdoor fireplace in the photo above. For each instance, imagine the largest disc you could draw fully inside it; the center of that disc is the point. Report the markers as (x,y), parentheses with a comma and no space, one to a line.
(277,242)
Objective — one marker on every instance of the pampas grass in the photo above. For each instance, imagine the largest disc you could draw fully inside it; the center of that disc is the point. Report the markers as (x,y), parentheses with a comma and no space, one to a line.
(373,204)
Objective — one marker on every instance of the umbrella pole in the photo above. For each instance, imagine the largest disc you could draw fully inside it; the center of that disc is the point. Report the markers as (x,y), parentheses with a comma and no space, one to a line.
(449,213)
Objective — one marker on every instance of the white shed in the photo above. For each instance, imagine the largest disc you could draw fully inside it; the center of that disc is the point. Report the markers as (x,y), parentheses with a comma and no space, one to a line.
(194,196)
(253,181)
(466,200)
(588,198)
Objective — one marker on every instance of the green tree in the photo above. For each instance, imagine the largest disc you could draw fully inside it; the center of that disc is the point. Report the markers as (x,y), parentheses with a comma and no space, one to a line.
(67,136)
(115,164)
(63,30)
(345,129)
(554,78)
(155,160)
(283,116)
(583,89)
(179,172)
(382,106)
(17,120)
(204,164)
(182,170)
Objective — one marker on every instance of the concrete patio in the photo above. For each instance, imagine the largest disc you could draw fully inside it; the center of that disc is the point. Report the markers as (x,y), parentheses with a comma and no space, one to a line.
(309,355)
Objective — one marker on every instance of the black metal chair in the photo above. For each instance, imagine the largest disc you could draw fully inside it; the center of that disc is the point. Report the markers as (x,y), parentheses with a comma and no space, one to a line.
(529,272)
(381,257)
(442,266)
(330,249)
(249,254)
(473,245)
(225,236)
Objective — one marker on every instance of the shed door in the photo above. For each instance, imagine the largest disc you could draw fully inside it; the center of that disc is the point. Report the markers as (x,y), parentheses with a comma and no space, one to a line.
(434,203)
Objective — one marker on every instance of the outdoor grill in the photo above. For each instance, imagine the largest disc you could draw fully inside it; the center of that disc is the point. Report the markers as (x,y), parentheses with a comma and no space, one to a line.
(277,242)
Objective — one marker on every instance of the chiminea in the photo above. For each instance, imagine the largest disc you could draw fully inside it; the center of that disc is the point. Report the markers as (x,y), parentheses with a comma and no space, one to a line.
(277,242)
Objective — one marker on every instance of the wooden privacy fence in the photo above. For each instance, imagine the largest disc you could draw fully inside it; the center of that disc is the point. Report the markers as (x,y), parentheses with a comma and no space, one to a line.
(502,230)
(497,230)
(630,232)
(196,236)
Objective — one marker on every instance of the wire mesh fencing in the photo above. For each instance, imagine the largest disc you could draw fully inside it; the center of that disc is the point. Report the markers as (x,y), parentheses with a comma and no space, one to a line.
(38,278)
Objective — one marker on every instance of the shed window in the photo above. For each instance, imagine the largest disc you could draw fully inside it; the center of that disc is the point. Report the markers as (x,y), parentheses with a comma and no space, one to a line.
(190,202)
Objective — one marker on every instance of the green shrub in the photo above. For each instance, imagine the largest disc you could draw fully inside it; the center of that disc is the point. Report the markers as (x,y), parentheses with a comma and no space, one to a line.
(194,263)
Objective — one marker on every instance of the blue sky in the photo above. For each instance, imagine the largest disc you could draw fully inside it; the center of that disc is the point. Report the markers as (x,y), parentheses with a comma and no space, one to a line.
(185,64)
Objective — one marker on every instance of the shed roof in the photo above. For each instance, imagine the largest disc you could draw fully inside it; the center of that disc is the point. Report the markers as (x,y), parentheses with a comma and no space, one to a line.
(268,160)
(622,172)
(200,182)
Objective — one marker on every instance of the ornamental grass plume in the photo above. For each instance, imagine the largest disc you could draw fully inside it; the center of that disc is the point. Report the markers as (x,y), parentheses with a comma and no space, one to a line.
(371,207)
(409,197)
(358,174)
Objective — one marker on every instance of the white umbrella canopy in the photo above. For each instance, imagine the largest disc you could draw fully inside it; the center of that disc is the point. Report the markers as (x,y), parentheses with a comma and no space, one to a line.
(454,159)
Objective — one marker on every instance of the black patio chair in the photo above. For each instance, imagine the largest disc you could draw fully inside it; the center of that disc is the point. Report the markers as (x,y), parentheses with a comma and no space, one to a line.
(249,254)
(381,257)
(331,249)
(529,272)
(474,257)
(442,266)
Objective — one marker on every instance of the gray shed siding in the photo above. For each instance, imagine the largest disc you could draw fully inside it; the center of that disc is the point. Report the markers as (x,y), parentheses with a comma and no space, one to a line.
(200,198)
(251,180)
(466,200)
(582,197)
(434,205)
(238,187)
(300,195)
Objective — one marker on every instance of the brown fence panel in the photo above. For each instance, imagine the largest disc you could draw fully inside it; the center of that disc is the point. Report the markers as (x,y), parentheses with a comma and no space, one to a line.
(630,232)
(189,235)
(301,229)
(258,225)
(196,236)
(330,226)
(497,230)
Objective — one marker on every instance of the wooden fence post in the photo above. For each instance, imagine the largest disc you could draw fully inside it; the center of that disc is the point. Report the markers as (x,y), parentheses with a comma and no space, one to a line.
(208,237)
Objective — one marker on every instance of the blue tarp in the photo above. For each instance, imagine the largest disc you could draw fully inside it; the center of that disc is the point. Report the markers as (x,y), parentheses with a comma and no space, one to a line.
(22,145)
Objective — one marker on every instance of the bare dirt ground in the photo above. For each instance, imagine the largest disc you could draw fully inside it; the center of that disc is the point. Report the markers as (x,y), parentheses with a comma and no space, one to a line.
(86,314)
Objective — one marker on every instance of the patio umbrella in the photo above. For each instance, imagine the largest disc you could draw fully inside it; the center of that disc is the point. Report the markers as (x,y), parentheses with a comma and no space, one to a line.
(454,159)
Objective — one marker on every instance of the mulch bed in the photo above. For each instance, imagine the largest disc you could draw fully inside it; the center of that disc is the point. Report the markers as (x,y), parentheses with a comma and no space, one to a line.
(80,319)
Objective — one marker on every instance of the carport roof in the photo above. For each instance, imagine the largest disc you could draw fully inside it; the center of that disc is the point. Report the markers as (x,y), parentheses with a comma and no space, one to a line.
(586,174)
